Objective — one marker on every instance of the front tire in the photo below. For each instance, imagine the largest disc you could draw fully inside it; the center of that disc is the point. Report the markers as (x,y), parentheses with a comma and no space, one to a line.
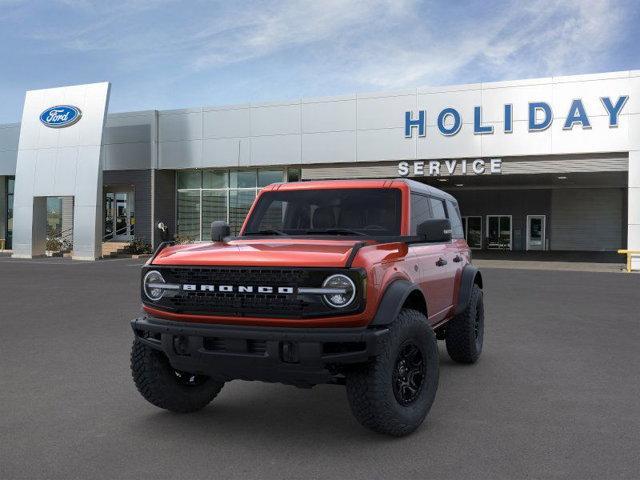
(394,392)
(165,387)
(465,332)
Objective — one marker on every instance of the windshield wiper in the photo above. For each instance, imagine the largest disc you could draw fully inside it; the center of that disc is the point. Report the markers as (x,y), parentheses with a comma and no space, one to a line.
(336,231)
(266,232)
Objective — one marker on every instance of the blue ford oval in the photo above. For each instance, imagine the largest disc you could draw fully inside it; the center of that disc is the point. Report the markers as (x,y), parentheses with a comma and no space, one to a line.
(60,116)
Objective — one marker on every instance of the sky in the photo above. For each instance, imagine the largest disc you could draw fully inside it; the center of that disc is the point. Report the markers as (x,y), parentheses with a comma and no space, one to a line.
(163,54)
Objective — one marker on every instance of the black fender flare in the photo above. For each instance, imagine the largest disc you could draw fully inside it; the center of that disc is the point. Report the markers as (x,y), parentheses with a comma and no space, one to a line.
(470,276)
(392,300)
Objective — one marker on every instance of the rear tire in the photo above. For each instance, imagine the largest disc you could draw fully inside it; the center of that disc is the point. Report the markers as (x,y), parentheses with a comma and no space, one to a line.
(465,333)
(394,392)
(165,387)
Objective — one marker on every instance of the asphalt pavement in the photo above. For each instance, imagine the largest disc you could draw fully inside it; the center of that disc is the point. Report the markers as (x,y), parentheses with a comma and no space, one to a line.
(556,393)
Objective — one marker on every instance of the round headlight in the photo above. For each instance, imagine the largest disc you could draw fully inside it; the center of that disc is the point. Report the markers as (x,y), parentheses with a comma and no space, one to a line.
(344,291)
(150,285)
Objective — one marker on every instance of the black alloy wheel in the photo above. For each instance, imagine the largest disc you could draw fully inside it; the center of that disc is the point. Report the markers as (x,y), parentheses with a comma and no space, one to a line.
(408,373)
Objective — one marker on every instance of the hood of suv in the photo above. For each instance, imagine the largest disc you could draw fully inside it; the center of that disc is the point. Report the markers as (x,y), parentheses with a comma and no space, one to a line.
(272,252)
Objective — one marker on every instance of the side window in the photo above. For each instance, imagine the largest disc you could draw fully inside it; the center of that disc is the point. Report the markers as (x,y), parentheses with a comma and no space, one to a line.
(456,222)
(437,206)
(420,211)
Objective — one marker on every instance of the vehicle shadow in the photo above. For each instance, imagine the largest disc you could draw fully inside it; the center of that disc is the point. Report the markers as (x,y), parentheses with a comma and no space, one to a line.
(267,412)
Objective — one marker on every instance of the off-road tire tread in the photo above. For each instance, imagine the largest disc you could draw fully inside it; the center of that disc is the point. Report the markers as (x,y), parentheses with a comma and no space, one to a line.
(153,377)
(460,336)
(369,388)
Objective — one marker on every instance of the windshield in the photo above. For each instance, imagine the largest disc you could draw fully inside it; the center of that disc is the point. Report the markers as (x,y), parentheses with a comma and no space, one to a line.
(369,211)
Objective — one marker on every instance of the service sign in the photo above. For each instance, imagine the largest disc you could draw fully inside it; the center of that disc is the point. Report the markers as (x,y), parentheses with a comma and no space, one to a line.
(60,116)
(437,168)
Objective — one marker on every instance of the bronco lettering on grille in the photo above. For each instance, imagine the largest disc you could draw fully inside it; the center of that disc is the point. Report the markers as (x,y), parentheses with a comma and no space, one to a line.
(191,287)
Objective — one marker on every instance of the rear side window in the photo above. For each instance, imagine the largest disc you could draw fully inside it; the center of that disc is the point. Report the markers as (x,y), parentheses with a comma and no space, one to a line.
(438,209)
(456,222)
(420,211)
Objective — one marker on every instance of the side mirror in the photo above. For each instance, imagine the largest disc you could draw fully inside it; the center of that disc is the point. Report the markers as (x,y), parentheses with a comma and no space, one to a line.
(219,230)
(436,230)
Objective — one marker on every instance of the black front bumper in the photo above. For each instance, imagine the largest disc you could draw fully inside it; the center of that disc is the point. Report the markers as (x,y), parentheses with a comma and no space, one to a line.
(298,356)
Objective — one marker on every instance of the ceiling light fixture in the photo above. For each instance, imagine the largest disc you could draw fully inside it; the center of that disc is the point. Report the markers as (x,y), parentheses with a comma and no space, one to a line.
(562,177)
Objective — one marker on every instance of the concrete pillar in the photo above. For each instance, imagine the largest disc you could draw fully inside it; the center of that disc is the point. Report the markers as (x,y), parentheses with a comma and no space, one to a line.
(633,227)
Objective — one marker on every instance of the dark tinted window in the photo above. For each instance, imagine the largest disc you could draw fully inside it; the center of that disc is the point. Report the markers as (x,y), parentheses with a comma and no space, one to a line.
(457,231)
(336,211)
(437,208)
(420,211)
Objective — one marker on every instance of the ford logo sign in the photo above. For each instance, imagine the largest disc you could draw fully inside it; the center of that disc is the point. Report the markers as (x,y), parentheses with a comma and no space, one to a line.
(60,116)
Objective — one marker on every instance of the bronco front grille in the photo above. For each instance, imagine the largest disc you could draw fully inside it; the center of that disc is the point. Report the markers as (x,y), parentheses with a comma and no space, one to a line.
(234,303)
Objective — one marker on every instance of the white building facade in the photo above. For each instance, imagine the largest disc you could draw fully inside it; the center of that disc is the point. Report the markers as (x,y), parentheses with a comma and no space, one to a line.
(540,164)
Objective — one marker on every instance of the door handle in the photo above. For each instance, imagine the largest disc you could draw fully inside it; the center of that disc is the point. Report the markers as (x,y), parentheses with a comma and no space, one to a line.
(457,258)
(441,262)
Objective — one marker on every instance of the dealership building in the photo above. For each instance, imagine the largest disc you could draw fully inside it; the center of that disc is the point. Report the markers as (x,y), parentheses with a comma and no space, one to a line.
(541,164)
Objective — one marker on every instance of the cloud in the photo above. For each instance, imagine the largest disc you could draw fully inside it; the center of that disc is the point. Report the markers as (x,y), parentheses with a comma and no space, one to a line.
(544,38)
(377,44)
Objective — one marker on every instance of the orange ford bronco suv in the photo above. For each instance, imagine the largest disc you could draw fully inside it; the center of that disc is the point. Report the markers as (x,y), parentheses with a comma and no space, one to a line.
(345,282)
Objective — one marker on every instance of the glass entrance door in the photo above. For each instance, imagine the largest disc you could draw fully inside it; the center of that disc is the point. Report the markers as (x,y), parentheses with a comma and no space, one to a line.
(119,221)
(536,234)
(499,232)
(473,231)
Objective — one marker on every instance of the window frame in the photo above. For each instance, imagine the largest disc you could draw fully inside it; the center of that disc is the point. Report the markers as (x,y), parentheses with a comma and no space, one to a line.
(418,194)
(227,190)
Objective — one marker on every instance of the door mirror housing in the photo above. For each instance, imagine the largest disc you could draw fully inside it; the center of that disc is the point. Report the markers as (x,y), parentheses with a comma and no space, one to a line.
(219,230)
(435,230)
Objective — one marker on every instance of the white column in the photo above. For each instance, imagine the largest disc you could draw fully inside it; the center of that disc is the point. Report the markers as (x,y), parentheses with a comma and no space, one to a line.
(633,226)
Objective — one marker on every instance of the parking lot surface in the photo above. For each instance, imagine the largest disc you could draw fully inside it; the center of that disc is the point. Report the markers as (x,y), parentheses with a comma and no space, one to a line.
(556,393)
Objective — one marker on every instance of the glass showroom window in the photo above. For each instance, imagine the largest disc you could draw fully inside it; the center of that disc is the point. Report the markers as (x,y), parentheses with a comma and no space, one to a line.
(208,195)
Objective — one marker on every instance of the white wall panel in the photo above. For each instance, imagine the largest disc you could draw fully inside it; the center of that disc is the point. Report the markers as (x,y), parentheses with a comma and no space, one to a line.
(275,150)
(589,92)
(64,177)
(227,123)
(127,156)
(386,144)
(8,160)
(275,119)
(225,152)
(180,126)
(44,173)
(519,142)
(384,112)
(329,147)
(185,154)
(599,138)
(329,116)
(633,104)
(436,145)
(129,128)
(463,101)
(496,96)
(9,135)
(634,131)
